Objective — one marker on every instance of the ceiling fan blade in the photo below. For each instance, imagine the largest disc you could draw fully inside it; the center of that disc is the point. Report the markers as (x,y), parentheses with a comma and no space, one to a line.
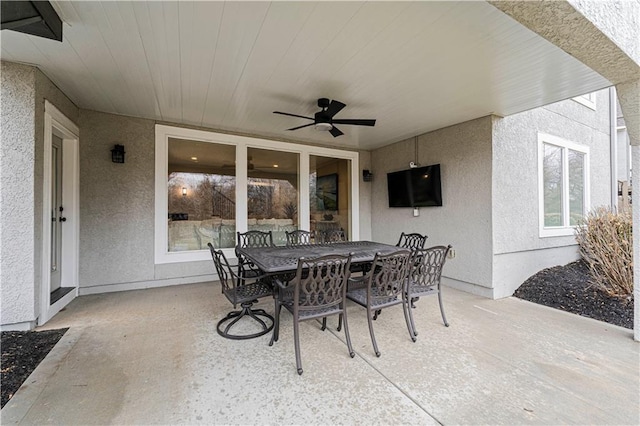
(356,122)
(300,127)
(292,115)
(335,132)
(334,108)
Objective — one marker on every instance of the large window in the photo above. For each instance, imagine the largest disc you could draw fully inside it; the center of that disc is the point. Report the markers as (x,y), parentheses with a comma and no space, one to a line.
(201,192)
(209,186)
(329,197)
(563,183)
(272,192)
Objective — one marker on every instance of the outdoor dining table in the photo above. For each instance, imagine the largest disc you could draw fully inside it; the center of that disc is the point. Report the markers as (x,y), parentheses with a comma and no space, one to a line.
(278,260)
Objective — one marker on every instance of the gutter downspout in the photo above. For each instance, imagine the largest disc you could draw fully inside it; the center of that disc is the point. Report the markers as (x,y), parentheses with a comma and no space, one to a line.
(613,146)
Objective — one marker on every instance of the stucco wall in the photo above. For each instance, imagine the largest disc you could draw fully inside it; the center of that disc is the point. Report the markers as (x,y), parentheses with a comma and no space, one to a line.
(515,183)
(24,90)
(620,21)
(117,208)
(17,180)
(464,220)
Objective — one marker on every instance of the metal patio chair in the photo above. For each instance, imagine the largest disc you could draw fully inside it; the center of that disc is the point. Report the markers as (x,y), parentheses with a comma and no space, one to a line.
(317,291)
(298,238)
(425,277)
(385,286)
(243,291)
(412,241)
(331,236)
(251,239)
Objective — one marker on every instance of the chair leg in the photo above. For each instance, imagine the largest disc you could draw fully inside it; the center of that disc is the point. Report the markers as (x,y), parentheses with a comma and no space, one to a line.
(276,326)
(408,318)
(296,339)
(324,324)
(339,322)
(444,318)
(346,331)
(375,315)
(413,324)
(373,337)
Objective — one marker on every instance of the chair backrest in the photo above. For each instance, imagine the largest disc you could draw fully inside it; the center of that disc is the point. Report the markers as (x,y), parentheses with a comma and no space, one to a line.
(412,241)
(331,236)
(298,238)
(228,280)
(389,274)
(428,265)
(255,239)
(320,282)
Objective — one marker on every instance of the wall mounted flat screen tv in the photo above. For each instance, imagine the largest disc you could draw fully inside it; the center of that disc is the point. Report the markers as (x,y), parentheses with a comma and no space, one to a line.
(417,187)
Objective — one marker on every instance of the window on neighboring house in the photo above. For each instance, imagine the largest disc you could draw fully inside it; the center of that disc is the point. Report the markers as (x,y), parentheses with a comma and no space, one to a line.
(564,185)
(588,100)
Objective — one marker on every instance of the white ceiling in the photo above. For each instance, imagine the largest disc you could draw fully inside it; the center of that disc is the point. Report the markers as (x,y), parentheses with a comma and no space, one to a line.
(413,66)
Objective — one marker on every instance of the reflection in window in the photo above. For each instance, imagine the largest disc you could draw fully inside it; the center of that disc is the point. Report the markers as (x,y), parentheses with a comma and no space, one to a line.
(552,169)
(201,195)
(563,182)
(272,192)
(329,189)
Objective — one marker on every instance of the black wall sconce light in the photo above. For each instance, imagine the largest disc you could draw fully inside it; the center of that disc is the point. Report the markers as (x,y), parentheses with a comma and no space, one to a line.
(117,154)
(367,176)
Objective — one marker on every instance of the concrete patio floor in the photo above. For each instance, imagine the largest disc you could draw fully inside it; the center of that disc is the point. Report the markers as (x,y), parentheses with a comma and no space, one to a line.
(154,357)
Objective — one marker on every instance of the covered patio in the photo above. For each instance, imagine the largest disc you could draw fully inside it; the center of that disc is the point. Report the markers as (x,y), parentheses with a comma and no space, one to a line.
(153,356)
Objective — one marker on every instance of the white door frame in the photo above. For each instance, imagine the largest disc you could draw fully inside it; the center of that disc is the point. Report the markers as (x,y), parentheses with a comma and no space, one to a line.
(56,122)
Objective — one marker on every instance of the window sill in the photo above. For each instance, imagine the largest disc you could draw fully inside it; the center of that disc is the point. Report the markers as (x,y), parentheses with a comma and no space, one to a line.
(560,231)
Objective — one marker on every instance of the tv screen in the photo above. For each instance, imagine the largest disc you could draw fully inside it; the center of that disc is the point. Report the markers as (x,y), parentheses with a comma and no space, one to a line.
(418,187)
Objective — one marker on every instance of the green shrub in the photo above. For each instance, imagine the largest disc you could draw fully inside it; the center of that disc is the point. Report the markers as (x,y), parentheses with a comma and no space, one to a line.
(606,244)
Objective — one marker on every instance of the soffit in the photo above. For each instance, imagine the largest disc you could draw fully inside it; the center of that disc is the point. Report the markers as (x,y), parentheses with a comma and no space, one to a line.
(413,66)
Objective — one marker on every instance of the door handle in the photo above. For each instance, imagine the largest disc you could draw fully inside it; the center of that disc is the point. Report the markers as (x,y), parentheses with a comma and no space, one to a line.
(63,219)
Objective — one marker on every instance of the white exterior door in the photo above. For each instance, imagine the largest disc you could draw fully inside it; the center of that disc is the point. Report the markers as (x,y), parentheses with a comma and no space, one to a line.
(57,213)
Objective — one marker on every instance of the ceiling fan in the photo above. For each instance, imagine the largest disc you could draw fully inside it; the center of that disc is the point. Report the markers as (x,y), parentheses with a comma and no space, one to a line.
(323,120)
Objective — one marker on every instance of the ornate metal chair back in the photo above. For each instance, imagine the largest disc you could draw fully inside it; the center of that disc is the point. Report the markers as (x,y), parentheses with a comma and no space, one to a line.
(412,241)
(228,280)
(428,265)
(389,275)
(320,283)
(298,238)
(255,239)
(332,236)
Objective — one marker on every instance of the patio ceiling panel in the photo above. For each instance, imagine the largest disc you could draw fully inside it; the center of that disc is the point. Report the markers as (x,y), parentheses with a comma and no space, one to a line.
(413,66)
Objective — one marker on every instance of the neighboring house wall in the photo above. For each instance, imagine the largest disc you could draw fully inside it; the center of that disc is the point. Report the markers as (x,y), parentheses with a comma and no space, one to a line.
(117,209)
(519,251)
(464,220)
(24,90)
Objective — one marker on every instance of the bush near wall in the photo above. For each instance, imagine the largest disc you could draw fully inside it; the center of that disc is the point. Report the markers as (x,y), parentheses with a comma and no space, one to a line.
(606,243)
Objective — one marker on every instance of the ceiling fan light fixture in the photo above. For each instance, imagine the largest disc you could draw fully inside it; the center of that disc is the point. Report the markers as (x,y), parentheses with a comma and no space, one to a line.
(324,127)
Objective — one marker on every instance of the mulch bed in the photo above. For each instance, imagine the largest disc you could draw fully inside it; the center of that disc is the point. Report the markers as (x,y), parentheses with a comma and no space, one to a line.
(22,351)
(567,288)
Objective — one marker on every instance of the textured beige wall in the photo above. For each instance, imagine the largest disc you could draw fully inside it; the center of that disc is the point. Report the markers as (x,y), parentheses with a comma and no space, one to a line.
(24,90)
(464,154)
(17,181)
(515,184)
(117,208)
(116,200)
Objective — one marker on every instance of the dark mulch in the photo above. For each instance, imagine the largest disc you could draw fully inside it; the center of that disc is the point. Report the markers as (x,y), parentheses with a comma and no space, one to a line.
(567,288)
(22,351)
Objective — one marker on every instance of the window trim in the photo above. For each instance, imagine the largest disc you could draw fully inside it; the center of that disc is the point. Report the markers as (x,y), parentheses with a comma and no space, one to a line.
(242,143)
(565,145)
(588,100)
